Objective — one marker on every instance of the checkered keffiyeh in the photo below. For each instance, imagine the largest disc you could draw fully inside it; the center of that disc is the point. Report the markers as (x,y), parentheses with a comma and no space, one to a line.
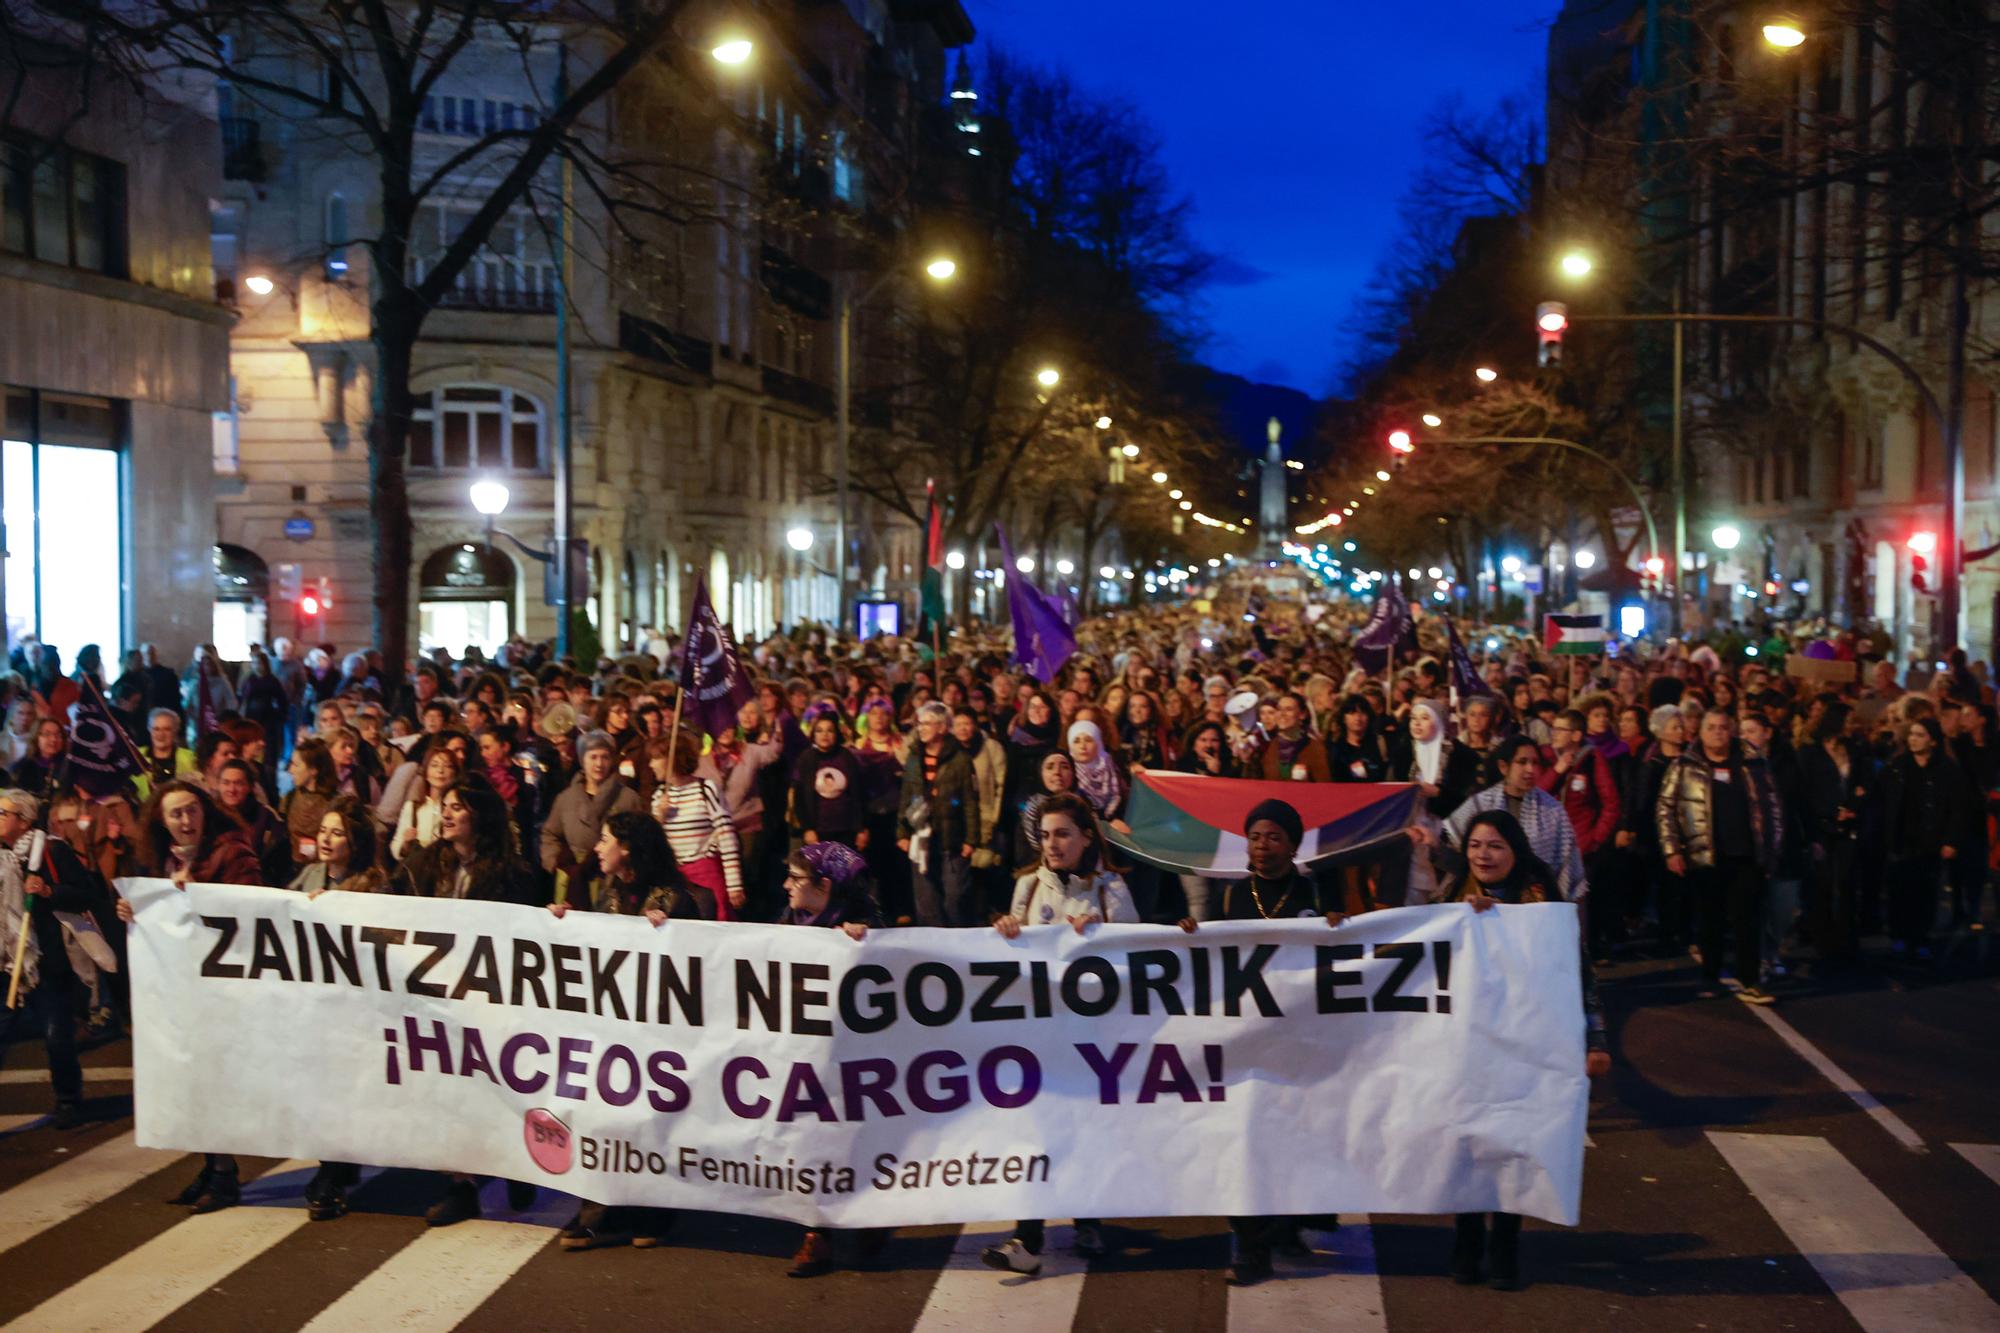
(13,913)
(1550,834)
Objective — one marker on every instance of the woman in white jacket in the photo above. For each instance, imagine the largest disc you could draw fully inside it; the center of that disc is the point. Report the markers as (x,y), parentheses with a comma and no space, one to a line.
(1069,886)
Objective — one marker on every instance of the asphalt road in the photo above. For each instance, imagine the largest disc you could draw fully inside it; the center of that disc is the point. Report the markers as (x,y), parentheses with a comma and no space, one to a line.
(1830,1164)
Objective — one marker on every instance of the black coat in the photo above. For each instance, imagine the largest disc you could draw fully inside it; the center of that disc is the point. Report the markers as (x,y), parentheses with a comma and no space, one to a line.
(1924,807)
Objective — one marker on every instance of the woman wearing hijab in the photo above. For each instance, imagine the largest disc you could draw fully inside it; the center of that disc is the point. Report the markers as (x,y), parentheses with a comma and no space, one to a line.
(1501,868)
(1446,776)
(1097,775)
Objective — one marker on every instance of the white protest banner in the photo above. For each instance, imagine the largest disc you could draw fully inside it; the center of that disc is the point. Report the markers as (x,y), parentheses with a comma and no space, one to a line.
(1423,1060)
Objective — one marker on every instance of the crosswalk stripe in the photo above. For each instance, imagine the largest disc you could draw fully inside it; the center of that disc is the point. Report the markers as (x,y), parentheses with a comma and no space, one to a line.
(1884,1269)
(145,1285)
(88,1179)
(1985,1156)
(91,1074)
(437,1279)
(1337,1288)
(1896,1126)
(969,1295)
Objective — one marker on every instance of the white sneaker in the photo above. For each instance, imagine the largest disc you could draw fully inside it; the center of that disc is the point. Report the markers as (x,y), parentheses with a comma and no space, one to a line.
(1089,1239)
(1013,1257)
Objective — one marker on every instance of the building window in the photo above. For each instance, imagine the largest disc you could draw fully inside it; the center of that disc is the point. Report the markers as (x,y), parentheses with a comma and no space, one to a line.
(512,271)
(478,428)
(62,502)
(62,207)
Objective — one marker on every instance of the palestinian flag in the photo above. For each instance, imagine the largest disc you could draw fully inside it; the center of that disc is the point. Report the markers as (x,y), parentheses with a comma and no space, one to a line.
(932,607)
(1193,824)
(1573,636)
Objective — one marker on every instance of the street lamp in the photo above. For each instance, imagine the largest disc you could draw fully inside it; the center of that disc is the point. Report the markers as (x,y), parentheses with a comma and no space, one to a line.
(1104,423)
(490,497)
(1486,374)
(1784,33)
(1159,478)
(941,268)
(1065,568)
(1048,377)
(1175,494)
(1585,559)
(799,539)
(1433,420)
(733,51)
(1576,264)
(1106,572)
(1025,563)
(260,284)
(954,560)
(1130,451)
(1399,440)
(1510,564)
(1726,538)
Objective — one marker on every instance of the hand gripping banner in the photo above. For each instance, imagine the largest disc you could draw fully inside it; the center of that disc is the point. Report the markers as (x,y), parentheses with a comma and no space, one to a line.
(1423,1060)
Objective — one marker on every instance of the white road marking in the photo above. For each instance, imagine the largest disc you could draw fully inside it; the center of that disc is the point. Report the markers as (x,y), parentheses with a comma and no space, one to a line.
(1985,1156)
(1884,1269)
(91,1074)
(145,1285)
(970,1296)
(1338,1288)
(86,1180)
(1839,1077)
(438,1279)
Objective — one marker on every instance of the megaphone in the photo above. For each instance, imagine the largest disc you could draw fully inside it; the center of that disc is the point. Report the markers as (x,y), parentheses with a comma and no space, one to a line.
(1240,704)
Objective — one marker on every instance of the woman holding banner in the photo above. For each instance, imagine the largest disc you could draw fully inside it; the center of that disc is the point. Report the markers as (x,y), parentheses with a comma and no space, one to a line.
(183,837)
(826,885)
(1068,887)
(1501,868)
(1275,891)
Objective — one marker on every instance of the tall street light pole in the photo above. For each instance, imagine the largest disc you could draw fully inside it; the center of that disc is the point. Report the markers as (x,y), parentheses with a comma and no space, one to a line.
(939,269)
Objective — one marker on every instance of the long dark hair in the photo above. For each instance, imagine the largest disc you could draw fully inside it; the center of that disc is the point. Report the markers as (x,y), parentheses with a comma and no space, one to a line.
(1080,813)
(1529,871)
(492,832)
(362,852)
(156,845)
(653,863)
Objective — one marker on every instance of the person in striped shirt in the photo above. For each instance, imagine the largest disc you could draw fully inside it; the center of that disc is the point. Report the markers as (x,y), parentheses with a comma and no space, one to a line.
(698,827)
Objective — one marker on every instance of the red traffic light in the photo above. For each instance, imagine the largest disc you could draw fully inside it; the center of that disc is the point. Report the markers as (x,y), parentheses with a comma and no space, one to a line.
(309,605)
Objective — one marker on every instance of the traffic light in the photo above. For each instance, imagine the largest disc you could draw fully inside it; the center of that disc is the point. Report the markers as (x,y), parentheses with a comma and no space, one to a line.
(317,601)
(1922,545)
(1551,318)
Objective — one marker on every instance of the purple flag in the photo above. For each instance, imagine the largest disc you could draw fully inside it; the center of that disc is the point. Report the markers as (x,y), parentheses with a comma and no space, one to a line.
(712,677)
(1465,682)
(1387,631)
(101,756)
(1043,640)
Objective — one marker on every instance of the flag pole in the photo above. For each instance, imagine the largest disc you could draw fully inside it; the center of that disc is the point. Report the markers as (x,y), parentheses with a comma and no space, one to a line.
(21,945)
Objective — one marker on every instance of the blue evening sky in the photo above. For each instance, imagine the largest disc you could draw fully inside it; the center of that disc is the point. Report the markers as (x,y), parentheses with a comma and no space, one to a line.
(1294,126)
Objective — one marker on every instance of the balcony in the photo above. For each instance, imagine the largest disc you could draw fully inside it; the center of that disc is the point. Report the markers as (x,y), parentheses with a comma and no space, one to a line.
(656,342)
(799,392)
(503,286)
(242,149)
(795,286)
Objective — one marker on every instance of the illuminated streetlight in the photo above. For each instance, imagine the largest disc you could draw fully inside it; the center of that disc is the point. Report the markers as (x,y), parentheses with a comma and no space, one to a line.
(1106,572)
(1065,568)
(1175,494)
(942,268)
(1434,572)
(1399,440)
(1486,374)
(1381,476)
(733,51)
(1416,573)
(490,497)
(1726,538)
(1576,264)
(1433,420)
(1048,377)
(1130,451)
(799,539)
(1585,559)
(1187,504)
(1784,34)
(954,560)
(259,284)
(1159,478)
(1510,564)
(1026,564)
(1104,423)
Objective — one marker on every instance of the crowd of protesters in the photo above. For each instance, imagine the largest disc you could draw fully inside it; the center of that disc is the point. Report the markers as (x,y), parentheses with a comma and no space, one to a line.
(1722,810)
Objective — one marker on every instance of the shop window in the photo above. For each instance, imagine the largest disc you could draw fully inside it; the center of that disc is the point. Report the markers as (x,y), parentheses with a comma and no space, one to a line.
(465,599)
(242,602)
(478,428)
(62,501)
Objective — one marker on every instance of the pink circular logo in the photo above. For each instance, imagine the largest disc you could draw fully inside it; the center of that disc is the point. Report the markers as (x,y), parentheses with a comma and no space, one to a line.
(548,1142)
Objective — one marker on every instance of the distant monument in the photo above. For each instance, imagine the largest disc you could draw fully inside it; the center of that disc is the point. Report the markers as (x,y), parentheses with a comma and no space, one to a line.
(1271,520)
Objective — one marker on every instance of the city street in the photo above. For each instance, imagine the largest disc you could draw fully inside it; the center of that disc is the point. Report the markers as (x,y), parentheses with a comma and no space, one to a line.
(1832,1163)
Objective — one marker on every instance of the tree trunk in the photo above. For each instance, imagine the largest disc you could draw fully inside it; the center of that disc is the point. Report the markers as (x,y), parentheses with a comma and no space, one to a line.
(395,335)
